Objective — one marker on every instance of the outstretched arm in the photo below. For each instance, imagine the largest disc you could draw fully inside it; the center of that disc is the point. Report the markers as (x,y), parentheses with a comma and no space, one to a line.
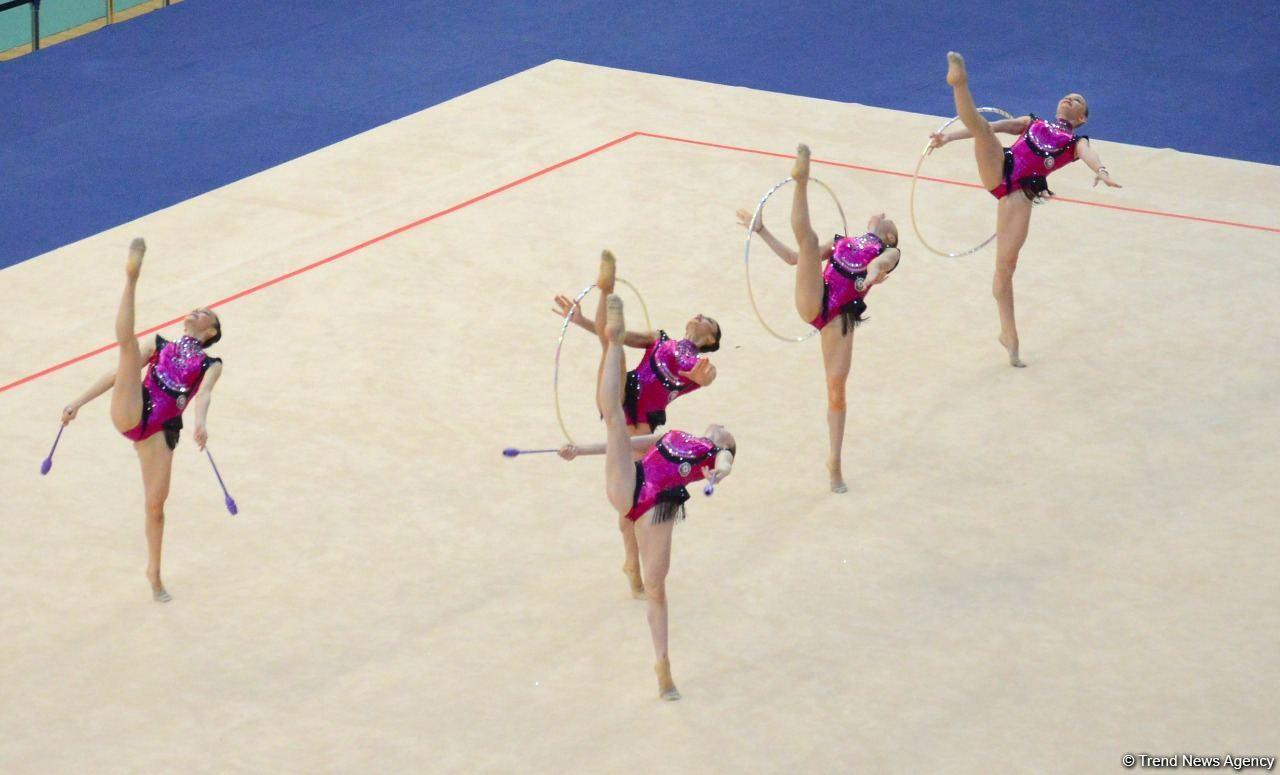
(1008,126)
(784,252)
(100,386)
(1086,153)
(638,339)
(638,443)
(203,397)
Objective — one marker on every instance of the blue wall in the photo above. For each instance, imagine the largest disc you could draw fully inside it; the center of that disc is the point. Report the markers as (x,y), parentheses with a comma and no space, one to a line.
(55,16)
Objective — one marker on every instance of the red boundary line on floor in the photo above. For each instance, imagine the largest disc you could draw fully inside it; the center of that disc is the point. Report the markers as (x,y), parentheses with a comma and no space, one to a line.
(879,171)
(564,163)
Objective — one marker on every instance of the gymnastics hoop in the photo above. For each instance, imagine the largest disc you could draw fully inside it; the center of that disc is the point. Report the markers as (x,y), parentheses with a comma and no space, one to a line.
(568,318)
(746,253)
(928,149)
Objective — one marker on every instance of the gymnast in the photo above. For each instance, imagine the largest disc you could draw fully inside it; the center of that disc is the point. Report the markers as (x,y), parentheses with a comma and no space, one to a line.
(836,291)
(147,409)
(1042,147)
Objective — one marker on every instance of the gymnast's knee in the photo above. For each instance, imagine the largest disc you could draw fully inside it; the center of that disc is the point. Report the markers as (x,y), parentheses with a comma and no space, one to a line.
(836,396)
(657,592)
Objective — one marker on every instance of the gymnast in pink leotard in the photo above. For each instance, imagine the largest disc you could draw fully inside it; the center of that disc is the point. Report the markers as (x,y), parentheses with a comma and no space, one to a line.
(832,281)
(1042,147)
(668,369)
(662,475)
(650,493)
(174,372)
(147,408)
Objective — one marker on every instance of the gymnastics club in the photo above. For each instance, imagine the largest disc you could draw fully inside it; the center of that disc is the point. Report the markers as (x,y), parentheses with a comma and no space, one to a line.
(231,504)
(48,462)
(512,451)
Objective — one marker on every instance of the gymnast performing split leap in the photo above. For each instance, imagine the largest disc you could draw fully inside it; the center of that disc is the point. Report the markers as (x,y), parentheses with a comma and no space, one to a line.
(669,368)
(148,410)
(1041,148)
(836,291)
(650,493)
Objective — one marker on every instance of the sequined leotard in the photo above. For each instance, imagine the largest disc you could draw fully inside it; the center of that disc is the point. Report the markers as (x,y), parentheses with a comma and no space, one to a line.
(849,259)
(173,376)
(1043,147)
(656,381)
(661,475)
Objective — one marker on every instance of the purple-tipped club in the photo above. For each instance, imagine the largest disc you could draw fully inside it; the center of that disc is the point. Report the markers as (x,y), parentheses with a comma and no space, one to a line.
(231,504)
(48,462)
(512,451)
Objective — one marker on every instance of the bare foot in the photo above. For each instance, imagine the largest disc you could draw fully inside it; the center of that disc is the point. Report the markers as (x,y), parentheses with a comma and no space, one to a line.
(800,170)
(158,592)
(956,74)
(137,249)
(1011,345)
(637,584)
(666,686)
(837,478)
(608,272)
(614,324)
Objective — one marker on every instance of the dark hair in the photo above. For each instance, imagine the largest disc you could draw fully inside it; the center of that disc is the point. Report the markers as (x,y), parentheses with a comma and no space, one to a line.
(851,316)
(710,348)
(211,341)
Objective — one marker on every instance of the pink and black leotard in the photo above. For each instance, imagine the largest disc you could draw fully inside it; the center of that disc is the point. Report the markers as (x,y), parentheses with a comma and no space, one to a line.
(677,459)
(1043,147)
(656,381)
(840,295)
(173,376)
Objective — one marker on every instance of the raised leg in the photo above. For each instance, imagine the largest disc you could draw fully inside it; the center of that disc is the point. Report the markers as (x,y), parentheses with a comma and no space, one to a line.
(620,472)
(1013,221)
(837,357)
(809,259)
(605,279)
(126,393)
(986,147)
(655,554)
(157,464)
